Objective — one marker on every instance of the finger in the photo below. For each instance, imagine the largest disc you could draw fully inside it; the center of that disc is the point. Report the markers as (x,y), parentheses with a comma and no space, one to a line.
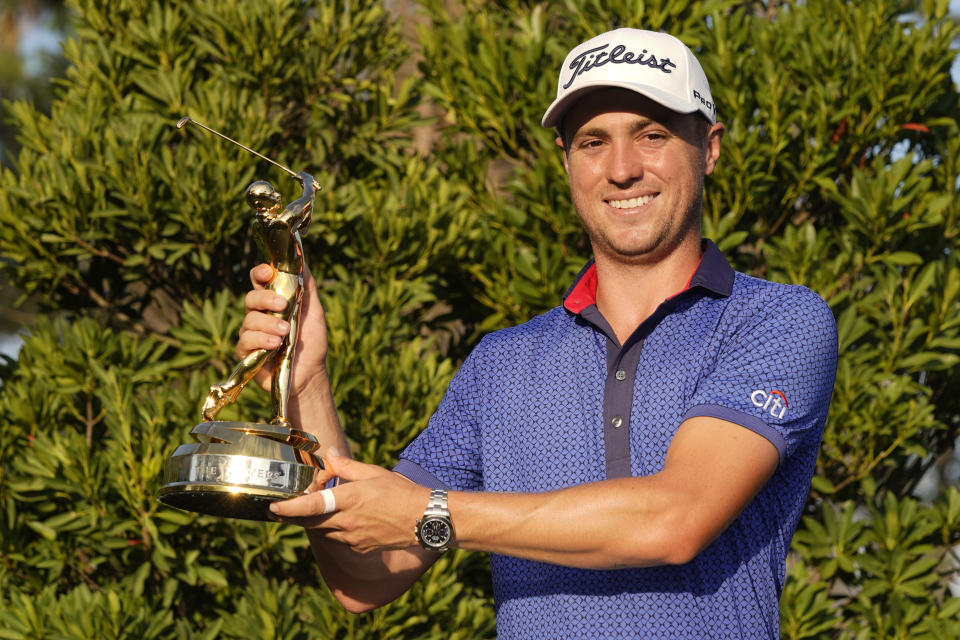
(348,469)
(261,275)
(309,282)
(264,323)
(315,522)
(320,480)
(329,501)
(306,506)
(260,331)
(313,309)
(250,341)
(264,300)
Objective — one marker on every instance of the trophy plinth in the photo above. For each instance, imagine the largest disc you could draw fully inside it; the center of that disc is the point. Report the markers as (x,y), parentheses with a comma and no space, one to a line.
(236,469)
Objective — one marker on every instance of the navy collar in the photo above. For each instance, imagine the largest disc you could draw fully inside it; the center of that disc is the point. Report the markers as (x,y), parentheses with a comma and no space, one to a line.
(714,274)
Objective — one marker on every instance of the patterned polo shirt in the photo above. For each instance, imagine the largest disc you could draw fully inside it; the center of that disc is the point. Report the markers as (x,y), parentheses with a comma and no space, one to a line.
(557,402)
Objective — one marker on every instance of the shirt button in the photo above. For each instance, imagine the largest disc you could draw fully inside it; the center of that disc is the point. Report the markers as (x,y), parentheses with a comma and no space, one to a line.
(617,422)
(621,374)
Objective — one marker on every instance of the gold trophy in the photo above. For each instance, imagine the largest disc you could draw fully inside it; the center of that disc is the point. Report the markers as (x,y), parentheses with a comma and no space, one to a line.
(236,469)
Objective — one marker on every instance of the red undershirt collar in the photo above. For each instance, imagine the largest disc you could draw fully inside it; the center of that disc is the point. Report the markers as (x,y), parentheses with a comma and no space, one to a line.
(713,272)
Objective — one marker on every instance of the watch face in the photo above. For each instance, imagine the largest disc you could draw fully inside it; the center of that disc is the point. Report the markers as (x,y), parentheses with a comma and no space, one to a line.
(435,532)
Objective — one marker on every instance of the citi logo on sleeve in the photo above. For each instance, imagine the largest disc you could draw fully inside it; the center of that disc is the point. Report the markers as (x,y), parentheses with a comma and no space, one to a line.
(773,402)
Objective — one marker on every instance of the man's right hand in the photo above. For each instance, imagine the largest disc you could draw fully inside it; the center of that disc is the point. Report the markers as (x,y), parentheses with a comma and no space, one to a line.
(263,330)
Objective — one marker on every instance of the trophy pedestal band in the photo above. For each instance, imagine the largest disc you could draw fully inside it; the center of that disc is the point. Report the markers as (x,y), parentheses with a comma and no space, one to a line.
(238,469)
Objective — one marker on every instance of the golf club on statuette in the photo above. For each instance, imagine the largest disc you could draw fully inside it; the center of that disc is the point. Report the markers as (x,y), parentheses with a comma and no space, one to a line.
(182,122)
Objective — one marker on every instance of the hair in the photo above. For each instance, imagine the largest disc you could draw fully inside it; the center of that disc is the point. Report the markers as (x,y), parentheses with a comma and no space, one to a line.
(703,125)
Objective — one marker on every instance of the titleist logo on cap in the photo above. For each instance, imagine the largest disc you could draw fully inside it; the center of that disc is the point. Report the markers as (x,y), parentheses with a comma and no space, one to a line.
(598,57)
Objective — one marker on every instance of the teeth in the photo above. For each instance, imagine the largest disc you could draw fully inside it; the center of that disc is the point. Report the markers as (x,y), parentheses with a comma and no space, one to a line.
(630,203)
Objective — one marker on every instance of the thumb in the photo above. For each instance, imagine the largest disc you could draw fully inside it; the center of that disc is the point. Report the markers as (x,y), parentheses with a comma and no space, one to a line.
(311,296)
(348,469)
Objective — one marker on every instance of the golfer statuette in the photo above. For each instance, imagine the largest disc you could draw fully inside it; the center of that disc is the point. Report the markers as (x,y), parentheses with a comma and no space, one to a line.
(236,469)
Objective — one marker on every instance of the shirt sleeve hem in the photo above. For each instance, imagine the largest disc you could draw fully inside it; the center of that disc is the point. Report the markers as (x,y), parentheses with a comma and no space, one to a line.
(418,474)
(745,420)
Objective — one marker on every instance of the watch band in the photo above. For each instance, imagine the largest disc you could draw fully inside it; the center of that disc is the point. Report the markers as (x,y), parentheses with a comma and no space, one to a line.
(438,501)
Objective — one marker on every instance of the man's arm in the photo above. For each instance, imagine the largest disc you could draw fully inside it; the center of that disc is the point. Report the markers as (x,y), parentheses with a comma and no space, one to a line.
(712,471)
(361,581)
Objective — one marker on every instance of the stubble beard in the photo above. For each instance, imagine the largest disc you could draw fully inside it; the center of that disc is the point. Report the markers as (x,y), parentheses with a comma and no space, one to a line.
(668,237)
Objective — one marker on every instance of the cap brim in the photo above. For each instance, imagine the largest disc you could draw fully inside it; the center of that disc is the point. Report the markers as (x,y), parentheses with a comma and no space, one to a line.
(555,112)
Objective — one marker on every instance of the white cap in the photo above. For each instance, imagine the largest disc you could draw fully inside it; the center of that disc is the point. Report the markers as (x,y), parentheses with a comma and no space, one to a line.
(656,65)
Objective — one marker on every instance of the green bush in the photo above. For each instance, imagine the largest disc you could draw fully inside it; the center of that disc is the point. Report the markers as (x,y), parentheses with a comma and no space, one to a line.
(445,213)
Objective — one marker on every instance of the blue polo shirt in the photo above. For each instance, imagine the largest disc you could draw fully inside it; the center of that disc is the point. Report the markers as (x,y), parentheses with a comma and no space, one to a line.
(557,402)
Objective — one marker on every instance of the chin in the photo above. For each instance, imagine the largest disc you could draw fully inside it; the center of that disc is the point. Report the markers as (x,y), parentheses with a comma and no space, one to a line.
(637,253)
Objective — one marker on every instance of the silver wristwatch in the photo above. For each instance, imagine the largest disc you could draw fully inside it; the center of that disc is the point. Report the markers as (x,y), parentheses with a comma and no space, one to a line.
(434,530)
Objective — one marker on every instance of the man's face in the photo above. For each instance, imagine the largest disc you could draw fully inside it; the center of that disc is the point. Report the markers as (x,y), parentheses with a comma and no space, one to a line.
(636,173)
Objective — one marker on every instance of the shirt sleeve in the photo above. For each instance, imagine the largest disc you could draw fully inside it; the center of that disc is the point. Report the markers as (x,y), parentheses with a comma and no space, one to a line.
(775,373)
(447,453)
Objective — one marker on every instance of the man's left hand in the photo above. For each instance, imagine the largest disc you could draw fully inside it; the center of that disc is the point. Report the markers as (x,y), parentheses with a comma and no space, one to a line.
(376,509)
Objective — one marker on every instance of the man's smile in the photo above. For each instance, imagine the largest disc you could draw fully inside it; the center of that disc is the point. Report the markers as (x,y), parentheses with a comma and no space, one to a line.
(630,203)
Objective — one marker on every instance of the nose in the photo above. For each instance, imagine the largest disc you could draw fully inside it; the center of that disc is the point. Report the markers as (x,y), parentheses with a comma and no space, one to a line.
(625,164)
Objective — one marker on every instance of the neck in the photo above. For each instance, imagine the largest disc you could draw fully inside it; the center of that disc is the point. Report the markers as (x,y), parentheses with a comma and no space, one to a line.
(627,294)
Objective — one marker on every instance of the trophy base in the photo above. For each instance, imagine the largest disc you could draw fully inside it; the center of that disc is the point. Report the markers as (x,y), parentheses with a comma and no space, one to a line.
(215,501)
(238,468)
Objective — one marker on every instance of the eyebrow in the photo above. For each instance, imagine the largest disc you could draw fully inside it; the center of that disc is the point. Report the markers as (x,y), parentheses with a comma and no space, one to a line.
(638,125)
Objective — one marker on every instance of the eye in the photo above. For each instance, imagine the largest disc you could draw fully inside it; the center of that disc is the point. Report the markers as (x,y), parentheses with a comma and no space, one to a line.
(591,143)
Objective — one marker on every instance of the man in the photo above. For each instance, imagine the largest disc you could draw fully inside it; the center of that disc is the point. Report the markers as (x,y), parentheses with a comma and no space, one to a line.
(635,460)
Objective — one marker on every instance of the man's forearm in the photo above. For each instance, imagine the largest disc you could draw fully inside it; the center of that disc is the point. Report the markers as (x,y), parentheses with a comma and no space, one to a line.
(713,470)
(364,581)
(606,525)
(315,412)
(360,581)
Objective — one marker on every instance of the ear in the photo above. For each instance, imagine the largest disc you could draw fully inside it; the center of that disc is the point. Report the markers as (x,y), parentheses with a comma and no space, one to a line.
(712,151)
(559,142)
